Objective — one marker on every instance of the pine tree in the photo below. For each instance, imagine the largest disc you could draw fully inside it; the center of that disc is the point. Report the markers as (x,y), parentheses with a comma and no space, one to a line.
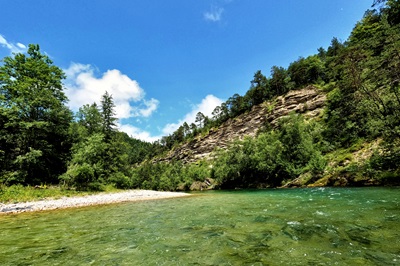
(108,115)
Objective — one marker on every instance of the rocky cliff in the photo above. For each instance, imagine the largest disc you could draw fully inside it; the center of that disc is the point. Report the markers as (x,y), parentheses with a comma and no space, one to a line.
(309,101)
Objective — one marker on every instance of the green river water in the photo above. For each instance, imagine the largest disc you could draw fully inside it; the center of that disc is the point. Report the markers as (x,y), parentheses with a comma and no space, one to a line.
(322,226)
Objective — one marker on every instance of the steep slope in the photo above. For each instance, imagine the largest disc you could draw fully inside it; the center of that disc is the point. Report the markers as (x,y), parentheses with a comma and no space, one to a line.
(309,101)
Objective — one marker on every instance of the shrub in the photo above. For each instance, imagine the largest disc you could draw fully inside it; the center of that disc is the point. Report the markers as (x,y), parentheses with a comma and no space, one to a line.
(119,180)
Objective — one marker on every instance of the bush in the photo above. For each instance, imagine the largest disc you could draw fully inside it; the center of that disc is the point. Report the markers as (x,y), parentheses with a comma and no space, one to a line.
(272,157)
(119,180)
(82,176)
(197,172)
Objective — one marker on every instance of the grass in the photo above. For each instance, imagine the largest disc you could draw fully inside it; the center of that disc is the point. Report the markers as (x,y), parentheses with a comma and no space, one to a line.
(19,193)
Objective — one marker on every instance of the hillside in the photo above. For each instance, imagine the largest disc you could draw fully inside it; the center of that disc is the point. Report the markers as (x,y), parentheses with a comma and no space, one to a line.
(308,101)
(355,141)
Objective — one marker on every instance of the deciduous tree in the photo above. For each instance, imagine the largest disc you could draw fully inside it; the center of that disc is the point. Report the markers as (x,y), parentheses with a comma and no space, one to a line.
(34,119)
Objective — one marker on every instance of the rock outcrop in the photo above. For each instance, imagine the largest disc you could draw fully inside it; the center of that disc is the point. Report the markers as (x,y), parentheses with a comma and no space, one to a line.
(309,101)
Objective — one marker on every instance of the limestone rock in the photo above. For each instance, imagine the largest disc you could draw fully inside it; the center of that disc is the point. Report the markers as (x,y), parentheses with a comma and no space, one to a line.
(309,101)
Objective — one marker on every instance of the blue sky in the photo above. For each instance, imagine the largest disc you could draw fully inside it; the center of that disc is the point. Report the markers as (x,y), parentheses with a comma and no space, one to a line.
(165,60)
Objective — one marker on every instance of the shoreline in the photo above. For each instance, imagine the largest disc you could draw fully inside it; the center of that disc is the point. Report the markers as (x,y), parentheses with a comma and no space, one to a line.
(89,200)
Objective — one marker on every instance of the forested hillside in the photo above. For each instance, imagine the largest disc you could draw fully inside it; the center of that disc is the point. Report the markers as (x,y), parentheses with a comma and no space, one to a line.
(355,140)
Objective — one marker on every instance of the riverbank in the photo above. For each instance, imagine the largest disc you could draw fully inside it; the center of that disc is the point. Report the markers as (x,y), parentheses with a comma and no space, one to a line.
(89,200)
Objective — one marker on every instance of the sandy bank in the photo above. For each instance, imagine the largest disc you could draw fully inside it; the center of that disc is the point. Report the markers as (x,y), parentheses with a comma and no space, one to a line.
(98,199)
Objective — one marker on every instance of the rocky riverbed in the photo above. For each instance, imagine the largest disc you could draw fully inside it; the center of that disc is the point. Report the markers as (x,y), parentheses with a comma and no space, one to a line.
(97,199)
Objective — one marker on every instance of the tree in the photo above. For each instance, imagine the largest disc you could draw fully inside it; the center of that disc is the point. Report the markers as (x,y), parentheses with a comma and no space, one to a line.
(393,12)
(200,119)
(179,134)
(86,169)
(333,61)
(137,150)
(108,115)
(391,8)
(321,53)
(34,119)
(306,71)
(90,117)
(271,157)
(366,100)
(193,128)
(220,113)
(377,2)
(235,105)
(279,80)
(374,67)
(217,114)
(259,90)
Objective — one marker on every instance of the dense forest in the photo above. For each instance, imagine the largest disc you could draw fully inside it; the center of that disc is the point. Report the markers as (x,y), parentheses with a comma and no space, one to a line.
(43,142)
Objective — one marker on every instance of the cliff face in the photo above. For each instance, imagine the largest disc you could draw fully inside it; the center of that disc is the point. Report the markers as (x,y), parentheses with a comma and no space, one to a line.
(309,101)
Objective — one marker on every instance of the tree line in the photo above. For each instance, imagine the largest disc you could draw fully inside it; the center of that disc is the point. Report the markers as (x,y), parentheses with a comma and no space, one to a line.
(362,82)
(42,141)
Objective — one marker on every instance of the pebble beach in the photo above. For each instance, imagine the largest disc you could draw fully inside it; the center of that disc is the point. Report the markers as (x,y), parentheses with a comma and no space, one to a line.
(97,199)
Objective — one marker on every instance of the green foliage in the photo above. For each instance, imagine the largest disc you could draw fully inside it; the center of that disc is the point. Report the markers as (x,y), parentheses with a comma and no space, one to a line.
(39,140)
(279,80)
(235,167)
(366,101)
(136,151)
(34,121)
(20,193)
(172,176)
(361,78)
(86,166)
(81,175)
(271,158)
(96,161)
(101,155)
(196,172)
(169,176)
(121,181)
(90,117)
(258,92)
(306,71)
(107,115)
(384,163)
(158,176)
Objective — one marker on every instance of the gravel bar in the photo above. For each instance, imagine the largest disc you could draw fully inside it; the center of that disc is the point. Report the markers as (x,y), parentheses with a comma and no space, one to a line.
(97,199)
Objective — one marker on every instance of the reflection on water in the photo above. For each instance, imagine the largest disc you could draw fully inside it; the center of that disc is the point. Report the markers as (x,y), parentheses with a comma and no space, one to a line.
(323,226)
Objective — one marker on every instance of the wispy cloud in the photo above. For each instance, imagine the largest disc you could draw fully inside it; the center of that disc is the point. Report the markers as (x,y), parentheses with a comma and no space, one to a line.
(206,106)
(14,48)
(215,14)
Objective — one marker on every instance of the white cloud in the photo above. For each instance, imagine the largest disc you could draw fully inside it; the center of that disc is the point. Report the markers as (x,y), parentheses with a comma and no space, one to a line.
(151,106)
(214,15)
(138,133)
(14,48)
(206,106)
(21,46)
(83,87)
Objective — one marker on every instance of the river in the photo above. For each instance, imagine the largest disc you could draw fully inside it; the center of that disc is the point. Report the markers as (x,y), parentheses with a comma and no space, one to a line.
(319,226)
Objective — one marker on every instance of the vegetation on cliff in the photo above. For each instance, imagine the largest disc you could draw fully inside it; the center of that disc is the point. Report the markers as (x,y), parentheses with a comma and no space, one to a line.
(354,141)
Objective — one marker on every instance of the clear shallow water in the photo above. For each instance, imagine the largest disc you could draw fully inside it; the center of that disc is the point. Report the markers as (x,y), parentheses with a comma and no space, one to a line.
(323,226)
